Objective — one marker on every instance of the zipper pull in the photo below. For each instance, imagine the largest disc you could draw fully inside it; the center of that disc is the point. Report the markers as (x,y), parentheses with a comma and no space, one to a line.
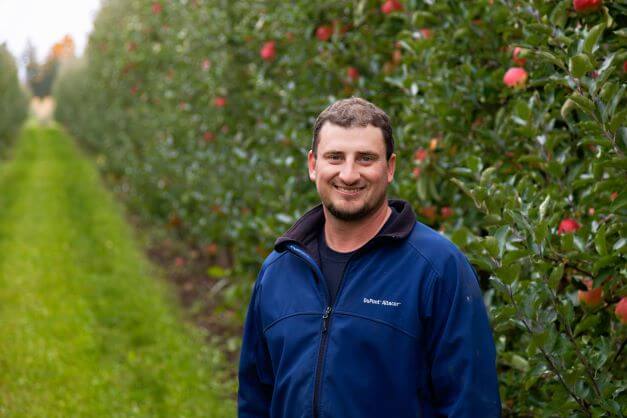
(325,319)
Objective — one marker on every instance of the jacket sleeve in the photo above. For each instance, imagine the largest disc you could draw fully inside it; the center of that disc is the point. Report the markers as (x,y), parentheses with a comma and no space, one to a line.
(255,370)
(461,352)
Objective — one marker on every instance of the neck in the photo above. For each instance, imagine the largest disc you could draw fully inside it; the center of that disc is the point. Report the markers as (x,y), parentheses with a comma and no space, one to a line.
(345,236)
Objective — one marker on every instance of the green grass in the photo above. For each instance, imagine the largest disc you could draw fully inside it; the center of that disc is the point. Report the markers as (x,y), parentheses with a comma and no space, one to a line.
(86,329)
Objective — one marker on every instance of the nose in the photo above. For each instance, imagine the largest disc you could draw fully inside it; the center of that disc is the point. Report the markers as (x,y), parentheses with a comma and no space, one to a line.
(349,173)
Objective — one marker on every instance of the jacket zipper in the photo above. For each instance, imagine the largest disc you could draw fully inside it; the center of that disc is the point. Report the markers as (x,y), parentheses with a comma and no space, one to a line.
(321,352)
(326,320)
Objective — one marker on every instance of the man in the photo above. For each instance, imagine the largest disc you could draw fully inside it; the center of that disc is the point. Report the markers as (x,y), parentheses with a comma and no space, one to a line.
(361,311)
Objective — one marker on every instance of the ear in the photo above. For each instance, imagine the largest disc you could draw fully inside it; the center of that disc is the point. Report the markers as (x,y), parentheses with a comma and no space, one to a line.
(311,164)
(391,167)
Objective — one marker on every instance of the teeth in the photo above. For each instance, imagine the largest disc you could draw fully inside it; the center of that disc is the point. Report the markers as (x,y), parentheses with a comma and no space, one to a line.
(349,189)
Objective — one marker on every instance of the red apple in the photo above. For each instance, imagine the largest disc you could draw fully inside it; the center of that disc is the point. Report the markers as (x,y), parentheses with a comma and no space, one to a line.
(593,297)
(583,6)
(391,6)
(211,249)
(219,101)
(156,8)
(568,226)
(446,212)
(429,212)
(421,154)
(208,136)
(516,58)
(324,33)
(352,73)
(397,56)
(621,310)
(426,33)
(515,77)
(268,51)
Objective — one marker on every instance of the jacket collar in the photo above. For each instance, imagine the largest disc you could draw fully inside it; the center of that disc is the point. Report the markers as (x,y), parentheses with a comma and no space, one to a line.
(305,231)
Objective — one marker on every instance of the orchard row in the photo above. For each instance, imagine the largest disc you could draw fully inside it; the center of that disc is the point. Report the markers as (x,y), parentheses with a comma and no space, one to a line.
(509,122)
(13,99)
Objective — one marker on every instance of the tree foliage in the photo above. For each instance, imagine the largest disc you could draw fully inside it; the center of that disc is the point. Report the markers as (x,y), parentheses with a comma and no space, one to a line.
(13,98)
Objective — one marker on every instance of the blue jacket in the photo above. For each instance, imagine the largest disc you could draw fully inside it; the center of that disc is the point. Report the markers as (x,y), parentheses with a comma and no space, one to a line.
(407,337)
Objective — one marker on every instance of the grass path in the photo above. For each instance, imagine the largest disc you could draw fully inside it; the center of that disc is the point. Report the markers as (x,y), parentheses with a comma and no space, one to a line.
(85,328)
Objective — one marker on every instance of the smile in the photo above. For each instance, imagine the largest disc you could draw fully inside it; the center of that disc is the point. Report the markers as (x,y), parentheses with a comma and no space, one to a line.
(350,191)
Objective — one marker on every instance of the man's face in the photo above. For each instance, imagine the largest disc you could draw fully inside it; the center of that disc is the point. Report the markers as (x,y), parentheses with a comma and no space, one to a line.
(350,170)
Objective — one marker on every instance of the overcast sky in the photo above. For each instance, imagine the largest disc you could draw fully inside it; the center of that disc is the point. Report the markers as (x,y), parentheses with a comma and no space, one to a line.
(45,22)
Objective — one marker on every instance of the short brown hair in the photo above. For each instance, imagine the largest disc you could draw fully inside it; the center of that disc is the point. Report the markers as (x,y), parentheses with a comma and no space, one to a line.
(355,112)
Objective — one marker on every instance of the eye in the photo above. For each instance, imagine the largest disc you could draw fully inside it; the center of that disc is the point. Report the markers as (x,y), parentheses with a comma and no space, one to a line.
(368,158)
(334,157)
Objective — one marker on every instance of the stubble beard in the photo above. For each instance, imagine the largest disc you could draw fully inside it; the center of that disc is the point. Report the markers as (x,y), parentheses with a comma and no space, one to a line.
(352,216)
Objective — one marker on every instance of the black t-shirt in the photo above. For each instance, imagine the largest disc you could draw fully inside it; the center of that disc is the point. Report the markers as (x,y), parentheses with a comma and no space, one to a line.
(333,263)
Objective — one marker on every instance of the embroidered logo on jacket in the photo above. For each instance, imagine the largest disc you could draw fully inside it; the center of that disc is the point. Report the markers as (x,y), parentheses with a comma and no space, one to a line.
(381,302)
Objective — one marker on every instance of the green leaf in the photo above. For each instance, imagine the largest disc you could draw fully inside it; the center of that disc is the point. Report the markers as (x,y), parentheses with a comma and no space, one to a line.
(540,232)
(600,242)
(546,56)
(618,120)
(217,271)
(567,107)
(519,363)
(484,263)
(588,322)
(608,112)
(592,38)
(579,65)
(421,188)
(486,175)
(566,310)
(556,276)
(521,222)
(619,202)
(583,103)
(500,286)
(462,186)
(501,237)
(618,245)
(559,14)
(567,242)
(491,245)
(603,262)
(508,274)
(544,206)
(514,256)
(537,340)
(606,69)
(474,163)
(460,237)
